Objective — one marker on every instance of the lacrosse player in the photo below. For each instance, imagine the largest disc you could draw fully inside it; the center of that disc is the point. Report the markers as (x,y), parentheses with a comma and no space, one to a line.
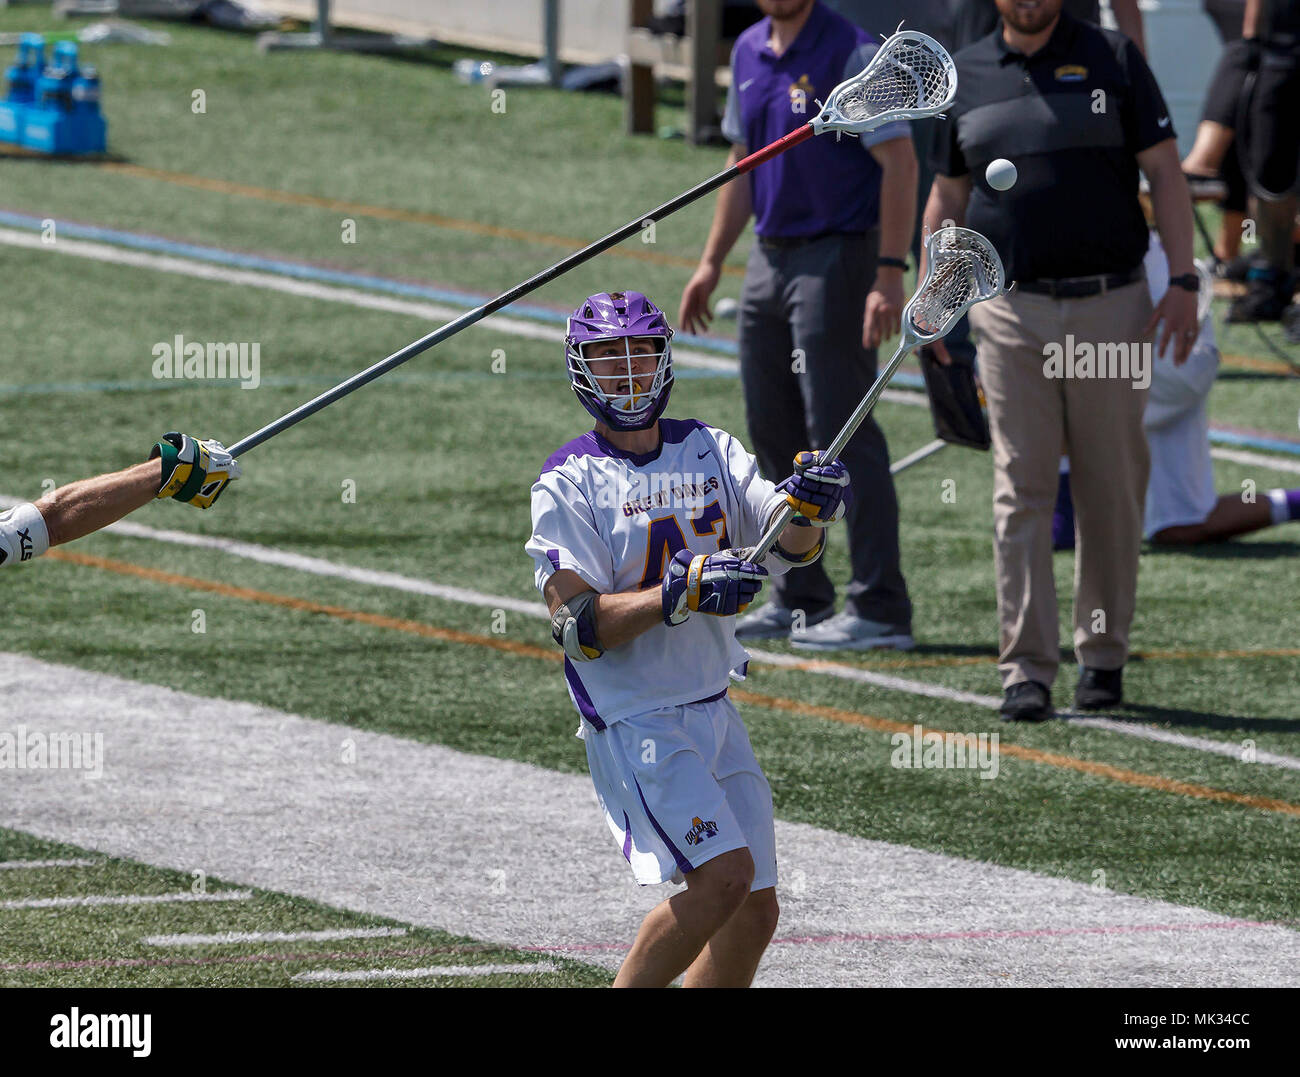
(179,466)
(636,529)
(1182,507)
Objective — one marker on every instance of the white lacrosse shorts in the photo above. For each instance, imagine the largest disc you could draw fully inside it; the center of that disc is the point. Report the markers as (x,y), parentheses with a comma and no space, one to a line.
(679,786)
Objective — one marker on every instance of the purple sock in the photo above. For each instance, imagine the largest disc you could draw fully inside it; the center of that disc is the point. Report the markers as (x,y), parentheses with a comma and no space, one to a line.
(1285,505)
(1063,516)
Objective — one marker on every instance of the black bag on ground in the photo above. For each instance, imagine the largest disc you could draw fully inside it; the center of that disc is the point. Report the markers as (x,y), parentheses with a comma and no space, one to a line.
(955,401)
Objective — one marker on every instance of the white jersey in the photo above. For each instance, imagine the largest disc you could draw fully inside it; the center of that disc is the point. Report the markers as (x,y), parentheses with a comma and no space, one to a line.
(616,518)
(22,535)
(1177,391)
(1180,490)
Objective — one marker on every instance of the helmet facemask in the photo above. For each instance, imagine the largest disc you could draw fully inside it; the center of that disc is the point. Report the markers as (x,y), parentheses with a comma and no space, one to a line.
(624,386)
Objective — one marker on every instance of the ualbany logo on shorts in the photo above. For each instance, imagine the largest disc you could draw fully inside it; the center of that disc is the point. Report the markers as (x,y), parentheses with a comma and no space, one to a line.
(1071,73)
(701,830)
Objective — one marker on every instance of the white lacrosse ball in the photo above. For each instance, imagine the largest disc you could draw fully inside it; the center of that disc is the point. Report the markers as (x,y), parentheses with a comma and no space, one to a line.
(726,307)
(1001,174)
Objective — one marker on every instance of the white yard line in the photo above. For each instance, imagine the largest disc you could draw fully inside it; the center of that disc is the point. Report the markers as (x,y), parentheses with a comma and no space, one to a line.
(125,899)
(355,975)
(355,297)
(268,555)
(1254,459)
(10,865)
(512,853)
(427,311)
(231,938)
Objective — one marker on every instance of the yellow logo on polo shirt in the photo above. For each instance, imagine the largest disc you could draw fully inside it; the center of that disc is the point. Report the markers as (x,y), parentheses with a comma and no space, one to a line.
(1071,73)
(801,93)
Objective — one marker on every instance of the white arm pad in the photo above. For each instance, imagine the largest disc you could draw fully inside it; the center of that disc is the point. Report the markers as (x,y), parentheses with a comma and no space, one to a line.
(22,534)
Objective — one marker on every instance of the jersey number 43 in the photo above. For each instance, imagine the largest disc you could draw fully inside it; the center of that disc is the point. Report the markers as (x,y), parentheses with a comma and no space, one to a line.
(666,538)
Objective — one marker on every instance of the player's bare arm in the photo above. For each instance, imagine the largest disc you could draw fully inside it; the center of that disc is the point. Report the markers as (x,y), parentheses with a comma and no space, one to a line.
(179,467)
(619,618)
(82,507)
(730,215)
(885,301)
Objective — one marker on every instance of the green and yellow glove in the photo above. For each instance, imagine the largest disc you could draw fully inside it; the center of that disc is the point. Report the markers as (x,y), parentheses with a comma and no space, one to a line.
(194,471)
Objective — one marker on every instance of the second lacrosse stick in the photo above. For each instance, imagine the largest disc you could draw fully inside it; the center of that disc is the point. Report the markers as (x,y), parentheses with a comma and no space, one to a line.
(962,269)
(909,78)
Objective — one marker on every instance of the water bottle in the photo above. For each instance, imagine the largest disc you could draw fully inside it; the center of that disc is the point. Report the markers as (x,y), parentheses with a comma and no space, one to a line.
(85,91)
(22,76)
(54,88)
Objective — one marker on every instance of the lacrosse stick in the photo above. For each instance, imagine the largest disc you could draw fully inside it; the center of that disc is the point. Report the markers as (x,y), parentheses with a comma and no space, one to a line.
(909,78)
(962,269)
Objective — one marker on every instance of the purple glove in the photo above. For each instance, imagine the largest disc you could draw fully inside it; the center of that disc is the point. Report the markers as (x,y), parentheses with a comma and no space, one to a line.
(817,492)
(720,584)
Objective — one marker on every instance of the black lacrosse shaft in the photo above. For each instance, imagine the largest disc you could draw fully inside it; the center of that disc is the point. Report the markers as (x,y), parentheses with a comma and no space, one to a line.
(518,291)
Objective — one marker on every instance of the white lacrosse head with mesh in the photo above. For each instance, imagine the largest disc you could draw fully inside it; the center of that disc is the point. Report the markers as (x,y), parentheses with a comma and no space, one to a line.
(962,268)
(911,77)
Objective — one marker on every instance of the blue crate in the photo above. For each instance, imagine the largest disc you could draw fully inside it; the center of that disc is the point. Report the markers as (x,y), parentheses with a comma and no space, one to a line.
(12,121)
(49,130)
(54,108)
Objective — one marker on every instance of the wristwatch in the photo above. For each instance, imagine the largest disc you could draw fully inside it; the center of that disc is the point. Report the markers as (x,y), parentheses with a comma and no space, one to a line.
(1189,281)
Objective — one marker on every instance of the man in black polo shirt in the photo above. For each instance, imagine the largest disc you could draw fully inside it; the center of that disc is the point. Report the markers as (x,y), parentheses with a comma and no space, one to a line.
(1065,359)
(974,19)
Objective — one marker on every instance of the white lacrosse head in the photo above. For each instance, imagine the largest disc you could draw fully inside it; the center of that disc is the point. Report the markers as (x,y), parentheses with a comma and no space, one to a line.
(911,77)
(962,268)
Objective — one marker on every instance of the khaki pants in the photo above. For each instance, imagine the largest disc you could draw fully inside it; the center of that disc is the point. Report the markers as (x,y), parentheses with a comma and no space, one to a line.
(1097,421)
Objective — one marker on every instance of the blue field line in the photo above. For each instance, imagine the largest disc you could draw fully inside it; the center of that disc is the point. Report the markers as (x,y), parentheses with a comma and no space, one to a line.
(465,300)
(318,274)
(1251,441)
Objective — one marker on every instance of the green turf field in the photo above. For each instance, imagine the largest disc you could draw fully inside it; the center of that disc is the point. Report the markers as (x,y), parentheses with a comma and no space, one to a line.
(441,456)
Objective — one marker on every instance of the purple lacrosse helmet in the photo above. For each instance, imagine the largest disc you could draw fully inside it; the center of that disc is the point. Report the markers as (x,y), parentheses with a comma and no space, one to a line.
(619,316)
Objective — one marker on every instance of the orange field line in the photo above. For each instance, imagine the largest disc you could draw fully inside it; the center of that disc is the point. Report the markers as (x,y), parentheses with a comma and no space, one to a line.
(758,699)
(1250,362)
(389,213)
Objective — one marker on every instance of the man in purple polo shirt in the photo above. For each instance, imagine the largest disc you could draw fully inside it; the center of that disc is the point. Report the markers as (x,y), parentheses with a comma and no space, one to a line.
(823,288)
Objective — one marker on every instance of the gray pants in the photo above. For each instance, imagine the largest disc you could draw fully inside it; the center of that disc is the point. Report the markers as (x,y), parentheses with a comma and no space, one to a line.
(804,369)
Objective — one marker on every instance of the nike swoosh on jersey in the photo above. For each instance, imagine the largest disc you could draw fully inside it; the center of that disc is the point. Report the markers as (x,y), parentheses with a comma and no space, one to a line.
(745,85)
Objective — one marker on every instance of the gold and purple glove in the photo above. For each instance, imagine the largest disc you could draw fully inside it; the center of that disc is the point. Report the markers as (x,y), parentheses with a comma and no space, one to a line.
(194,471)
(817,491)
(721,584)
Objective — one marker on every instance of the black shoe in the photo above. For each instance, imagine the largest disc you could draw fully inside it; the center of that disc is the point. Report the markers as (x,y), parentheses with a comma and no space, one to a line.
(1099,688)
(1268,295)
(1027,701)
(1236,269)
(1291,324)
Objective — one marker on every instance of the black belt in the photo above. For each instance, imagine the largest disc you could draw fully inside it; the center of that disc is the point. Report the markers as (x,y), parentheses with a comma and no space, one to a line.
(1079,287)
(783,242)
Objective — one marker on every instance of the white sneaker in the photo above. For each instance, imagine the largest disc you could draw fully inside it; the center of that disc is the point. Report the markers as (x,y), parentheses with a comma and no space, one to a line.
(771,621)
(846,631)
